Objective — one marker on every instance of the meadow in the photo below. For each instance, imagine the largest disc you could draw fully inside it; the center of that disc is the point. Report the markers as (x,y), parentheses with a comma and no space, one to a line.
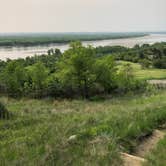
(78,132)
(144,73)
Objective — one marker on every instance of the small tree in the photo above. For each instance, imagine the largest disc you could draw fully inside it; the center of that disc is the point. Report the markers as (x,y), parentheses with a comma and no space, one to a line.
(37,76)
(125,79)
(145,63)
(14,76)
(75,68)
(105,73)
(3,112)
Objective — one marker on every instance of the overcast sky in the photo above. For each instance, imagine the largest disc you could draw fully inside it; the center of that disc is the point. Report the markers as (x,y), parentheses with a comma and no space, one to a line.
(82,15)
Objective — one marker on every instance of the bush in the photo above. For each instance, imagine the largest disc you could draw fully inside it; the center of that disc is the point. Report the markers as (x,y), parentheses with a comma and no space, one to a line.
(145,63)
(127,82)
(4,114)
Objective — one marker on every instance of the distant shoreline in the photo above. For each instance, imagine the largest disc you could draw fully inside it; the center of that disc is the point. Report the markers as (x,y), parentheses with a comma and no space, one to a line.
(26,40)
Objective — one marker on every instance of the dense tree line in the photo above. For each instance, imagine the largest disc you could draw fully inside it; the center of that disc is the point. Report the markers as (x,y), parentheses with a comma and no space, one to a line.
(147,55)
(78,72)
(50,38)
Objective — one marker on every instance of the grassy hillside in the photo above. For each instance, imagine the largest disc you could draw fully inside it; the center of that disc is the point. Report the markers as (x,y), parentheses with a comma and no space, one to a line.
(157,156)
(39,131)
(139,72)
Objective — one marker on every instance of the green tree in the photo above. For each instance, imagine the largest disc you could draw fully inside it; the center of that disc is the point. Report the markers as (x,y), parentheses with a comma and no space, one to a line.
(14,76)
(125,79)
(4,114)
(37,75)
(106,73)
(145,63)
(76,68)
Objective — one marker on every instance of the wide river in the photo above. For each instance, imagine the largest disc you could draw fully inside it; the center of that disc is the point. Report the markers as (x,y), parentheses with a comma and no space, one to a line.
(22,52)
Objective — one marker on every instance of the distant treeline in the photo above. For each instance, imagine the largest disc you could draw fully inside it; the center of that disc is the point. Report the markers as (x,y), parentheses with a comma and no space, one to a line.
(48,38)
(147,55)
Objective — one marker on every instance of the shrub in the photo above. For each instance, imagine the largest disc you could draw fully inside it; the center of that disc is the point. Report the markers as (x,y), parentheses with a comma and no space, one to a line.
(4,114)
(127,82)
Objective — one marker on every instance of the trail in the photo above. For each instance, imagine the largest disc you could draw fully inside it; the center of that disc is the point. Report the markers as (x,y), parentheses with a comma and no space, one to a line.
(146,145)
(159,84)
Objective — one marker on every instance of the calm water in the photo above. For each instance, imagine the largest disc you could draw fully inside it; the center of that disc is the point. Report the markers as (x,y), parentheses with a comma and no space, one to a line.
(22,52)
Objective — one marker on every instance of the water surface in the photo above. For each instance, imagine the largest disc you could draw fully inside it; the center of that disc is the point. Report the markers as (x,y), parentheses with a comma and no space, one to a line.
(22,52)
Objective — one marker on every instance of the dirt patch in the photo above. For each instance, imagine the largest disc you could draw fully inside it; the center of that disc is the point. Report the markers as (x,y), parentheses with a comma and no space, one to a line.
(160,84)
(130,160)
(146,145)
(149,143)
(157,81)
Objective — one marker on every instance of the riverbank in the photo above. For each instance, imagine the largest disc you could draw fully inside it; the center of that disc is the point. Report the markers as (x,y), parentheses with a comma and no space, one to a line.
(23,52)
(37,39)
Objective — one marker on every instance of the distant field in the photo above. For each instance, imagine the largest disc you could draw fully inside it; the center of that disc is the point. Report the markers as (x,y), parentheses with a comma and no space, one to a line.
(49,38)
(151,73)
(39,131)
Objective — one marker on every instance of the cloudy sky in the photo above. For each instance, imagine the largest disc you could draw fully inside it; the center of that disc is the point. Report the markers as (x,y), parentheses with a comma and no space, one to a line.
(82,15)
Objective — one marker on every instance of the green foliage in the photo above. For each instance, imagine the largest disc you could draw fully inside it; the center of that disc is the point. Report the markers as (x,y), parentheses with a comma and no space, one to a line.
(13,77)
(126,78)
(76,68)
(3,112)
(144,74)
(37,77)
(127,81)
(147,55)
(145,63)
(50,38)
(160,63)
(78,72)
(106,73)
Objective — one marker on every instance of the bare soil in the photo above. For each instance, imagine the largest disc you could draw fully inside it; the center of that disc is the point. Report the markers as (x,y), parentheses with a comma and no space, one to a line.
(146,145)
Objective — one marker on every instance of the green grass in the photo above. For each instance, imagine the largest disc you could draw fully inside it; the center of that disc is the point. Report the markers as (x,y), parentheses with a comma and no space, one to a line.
(145,74)
(38,132)
(157,156)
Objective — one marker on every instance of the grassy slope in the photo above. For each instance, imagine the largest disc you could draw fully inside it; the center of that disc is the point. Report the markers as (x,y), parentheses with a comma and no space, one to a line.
(151,73)
(158,157)
(39,131)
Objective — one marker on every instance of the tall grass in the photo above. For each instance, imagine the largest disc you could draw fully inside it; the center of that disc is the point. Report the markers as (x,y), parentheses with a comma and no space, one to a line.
(157,157)
(40,130)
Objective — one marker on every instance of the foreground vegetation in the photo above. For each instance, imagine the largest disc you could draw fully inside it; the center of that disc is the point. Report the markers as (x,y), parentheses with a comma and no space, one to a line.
(39,131)
(157,156)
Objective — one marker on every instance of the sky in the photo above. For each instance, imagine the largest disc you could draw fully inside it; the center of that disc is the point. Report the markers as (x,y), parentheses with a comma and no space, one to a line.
(82,15)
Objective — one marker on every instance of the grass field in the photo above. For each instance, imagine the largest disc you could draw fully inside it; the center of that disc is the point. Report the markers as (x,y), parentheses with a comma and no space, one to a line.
(146,74)
(39,130)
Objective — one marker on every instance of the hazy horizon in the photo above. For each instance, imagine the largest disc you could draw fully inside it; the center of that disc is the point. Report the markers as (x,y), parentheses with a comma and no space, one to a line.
(60,16)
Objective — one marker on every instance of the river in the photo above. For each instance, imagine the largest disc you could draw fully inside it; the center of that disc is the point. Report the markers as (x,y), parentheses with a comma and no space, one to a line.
(22,52)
